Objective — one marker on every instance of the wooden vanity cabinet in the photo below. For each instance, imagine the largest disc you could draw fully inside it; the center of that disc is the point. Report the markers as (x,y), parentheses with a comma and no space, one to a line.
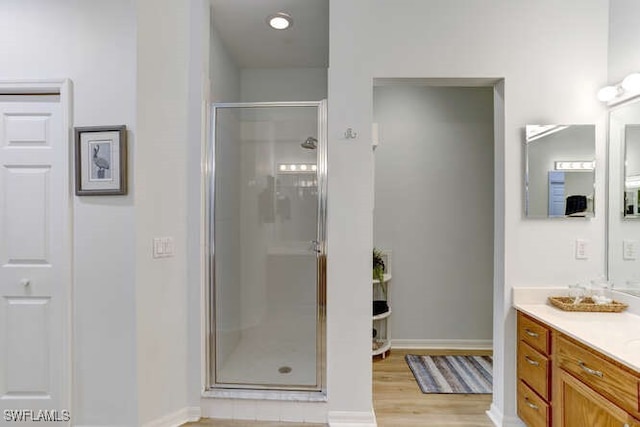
(534,372)
(580,406)
(564,383)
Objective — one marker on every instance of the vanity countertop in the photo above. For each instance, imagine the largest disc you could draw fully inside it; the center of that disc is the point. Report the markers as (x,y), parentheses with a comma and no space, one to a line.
(616,335)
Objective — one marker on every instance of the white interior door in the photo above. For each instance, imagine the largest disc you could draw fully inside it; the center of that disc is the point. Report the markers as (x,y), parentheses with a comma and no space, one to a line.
(34,257)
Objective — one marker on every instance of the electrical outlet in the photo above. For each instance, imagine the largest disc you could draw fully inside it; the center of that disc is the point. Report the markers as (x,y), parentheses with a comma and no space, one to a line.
(582,249)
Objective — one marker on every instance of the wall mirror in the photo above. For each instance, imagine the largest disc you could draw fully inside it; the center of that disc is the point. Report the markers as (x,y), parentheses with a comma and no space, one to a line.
(624,188)
(631,144)
(560,171)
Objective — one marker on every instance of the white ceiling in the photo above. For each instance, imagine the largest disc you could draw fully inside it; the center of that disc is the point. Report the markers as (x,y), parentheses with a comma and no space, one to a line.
(253,44)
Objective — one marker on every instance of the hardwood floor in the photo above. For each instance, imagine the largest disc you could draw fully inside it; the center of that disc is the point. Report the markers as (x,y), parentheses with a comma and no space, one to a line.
(243,423)
(398,401)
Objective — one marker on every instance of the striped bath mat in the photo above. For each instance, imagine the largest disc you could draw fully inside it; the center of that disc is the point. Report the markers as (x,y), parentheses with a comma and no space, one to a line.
(452,374)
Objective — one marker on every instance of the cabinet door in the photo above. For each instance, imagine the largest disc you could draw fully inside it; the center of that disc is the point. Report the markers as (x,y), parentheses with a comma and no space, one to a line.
(579,406)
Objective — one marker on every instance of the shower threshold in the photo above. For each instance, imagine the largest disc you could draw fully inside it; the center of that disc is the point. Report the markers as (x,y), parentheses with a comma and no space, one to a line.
(287,395)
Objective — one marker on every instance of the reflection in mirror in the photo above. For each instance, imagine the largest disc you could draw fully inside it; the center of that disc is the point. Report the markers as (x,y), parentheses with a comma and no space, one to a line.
(631,170)
(560,171)
(624,184)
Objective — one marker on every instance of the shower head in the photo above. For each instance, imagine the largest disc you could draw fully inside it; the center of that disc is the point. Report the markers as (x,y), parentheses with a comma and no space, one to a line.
(310,143)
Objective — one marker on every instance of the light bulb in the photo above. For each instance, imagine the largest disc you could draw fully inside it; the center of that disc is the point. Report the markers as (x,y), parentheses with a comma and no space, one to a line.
(607,93)
(293,167)
(303,167)
(280,21)
(314,167)
(631,83)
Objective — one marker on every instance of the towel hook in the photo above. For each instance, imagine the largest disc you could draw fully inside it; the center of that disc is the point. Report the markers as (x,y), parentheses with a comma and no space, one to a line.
(350,134)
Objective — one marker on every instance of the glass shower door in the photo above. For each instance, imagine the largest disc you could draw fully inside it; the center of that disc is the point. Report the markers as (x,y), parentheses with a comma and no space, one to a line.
(266,242)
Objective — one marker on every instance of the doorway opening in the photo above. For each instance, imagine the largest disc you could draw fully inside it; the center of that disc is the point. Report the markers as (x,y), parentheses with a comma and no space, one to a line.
(434,214)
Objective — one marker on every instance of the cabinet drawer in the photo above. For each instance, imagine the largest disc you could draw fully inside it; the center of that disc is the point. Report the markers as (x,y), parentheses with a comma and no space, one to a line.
(534,333)
(534,369)
(614,382)
(534,411)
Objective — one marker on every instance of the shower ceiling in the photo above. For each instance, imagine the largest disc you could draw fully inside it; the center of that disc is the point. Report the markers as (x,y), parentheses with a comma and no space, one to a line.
(242,26)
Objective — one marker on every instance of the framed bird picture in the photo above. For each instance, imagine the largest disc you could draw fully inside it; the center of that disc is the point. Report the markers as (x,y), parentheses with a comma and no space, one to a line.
(101,160)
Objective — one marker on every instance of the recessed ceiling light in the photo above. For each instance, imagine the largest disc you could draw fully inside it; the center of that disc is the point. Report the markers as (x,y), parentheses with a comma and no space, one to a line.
(280,21)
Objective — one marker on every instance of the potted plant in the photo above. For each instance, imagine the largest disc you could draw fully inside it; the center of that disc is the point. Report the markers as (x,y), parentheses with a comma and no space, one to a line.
(379,306)
(378,265)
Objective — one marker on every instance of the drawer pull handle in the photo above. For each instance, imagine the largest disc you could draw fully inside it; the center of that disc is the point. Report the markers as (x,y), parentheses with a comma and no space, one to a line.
(531,333)
(531,405)
(590,371)
(531,361)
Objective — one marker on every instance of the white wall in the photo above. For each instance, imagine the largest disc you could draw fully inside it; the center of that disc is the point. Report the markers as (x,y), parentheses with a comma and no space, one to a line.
(624,39)
(163,46)
(94,44)
(283,84)
(224,73)
(434,209)
(200,92)
(550,76)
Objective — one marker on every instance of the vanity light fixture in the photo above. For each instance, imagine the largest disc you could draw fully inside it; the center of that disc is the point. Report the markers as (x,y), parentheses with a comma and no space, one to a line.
(628,88)
(631,83)
(582,166)
(297,168)
(280,21)
(608,93)
(632,182)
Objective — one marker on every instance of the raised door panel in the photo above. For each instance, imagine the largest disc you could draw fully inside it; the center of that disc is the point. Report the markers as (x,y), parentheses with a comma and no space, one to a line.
(580,406)
(25,348)
(25,215)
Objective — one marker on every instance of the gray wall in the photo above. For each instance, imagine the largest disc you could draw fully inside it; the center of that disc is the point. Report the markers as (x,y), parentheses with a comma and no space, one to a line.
(283,84)
(434,209)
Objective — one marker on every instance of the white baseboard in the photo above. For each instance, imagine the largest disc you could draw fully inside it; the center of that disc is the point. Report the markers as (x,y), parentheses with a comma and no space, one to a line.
(442,344)
(352,419)
(499,420)
(177,418)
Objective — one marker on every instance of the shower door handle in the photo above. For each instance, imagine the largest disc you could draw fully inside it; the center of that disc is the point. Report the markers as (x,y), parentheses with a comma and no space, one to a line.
(314,246)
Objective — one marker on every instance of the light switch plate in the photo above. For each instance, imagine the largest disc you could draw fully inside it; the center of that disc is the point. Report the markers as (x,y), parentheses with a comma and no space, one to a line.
(163,247)
(581,249)
(629,250)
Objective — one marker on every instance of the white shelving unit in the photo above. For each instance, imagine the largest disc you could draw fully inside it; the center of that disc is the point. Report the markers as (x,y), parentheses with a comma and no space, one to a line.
(381,342)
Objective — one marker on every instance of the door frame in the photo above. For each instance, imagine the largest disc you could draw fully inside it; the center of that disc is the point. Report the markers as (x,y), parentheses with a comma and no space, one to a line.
(62,88)
(210,387)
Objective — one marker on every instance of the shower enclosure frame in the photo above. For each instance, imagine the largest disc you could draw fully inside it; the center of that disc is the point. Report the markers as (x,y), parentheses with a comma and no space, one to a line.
(212,388)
